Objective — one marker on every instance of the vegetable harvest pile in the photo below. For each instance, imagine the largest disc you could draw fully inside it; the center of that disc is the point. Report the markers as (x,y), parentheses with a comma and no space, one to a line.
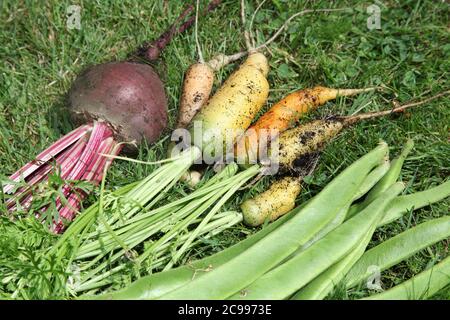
(247,199)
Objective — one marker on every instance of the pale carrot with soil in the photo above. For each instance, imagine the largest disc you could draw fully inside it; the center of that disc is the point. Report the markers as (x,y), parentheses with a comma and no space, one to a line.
(284,114)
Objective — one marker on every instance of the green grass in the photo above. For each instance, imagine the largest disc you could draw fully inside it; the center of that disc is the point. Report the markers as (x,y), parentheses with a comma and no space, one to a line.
(410,55)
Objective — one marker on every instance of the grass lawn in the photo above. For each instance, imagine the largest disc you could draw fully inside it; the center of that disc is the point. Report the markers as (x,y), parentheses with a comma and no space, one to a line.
(410,55)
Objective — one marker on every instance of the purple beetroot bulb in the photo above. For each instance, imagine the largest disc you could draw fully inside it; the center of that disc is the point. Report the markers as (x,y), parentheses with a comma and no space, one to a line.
(129,96)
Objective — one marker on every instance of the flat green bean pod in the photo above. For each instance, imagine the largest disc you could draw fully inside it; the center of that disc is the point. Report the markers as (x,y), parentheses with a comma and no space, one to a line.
(323,284)
(421,286)
(393,174)
(399,248)
(414,201)
(387,180)
(336,222)
(372,179)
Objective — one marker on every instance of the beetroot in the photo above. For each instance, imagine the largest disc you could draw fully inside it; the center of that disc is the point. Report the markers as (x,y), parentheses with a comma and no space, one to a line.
(128,96)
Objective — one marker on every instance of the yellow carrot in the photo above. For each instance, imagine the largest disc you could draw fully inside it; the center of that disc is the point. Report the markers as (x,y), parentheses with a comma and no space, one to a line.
(232,108)
(272,203)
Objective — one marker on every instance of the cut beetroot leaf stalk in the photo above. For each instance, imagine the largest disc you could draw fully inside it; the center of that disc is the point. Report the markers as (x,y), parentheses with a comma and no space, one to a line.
(100,142)
(94,174)
(47,155)
(64,165)
(99,133)
(78,156)
(87,173)
(65,161)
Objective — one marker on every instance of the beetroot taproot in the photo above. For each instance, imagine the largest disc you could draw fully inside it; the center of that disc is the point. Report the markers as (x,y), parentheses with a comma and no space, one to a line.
(128,96)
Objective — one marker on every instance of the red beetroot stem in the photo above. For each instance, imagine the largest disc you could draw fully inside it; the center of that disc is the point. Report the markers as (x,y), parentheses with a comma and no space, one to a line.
(93,174)
(65,161)
(78,157)
(100,133)
(87,175)
(84,159)
(47,155)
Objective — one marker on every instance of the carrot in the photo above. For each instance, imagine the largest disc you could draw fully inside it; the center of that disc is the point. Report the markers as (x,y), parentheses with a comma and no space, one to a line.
(197,85)
(191,178)
(297,143)
(283,115)
(232,108)
(272,203)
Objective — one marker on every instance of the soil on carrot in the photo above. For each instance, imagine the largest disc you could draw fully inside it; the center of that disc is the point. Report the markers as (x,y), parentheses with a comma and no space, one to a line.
(43,49)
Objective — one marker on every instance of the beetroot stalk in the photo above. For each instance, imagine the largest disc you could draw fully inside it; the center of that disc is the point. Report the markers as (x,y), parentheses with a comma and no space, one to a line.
(93,173)
(48,154)
(152,50)
(89,165)
(76,156)
(64,161)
